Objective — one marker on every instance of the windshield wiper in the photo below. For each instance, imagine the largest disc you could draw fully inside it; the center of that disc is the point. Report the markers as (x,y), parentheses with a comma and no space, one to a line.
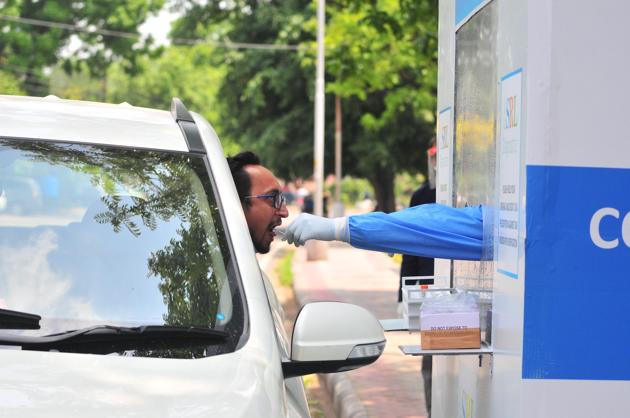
(18,320)
(105,339)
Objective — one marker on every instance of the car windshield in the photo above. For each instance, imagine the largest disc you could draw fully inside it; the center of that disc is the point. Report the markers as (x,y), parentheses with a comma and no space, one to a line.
(93,236)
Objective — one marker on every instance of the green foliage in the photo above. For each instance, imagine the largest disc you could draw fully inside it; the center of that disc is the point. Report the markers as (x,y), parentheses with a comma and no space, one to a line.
(266,95)
(79,85)
(285,269)
(189,73)
(9,84)
(314,407)
(381,59)
(405,184)
(27,49)
(353,190)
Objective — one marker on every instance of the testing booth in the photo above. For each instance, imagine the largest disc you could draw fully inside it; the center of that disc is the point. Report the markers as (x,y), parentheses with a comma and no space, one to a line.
(533,105)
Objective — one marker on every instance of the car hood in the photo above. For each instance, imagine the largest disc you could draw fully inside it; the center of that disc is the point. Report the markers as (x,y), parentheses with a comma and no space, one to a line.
(36,384)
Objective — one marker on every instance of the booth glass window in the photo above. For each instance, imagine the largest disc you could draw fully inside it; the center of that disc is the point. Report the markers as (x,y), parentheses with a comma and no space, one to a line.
(475,139)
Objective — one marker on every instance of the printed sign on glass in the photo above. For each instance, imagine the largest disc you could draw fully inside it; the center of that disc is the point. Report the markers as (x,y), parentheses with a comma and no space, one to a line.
(509,175)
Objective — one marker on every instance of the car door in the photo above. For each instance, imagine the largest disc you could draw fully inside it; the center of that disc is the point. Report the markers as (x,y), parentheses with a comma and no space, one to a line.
(294,386)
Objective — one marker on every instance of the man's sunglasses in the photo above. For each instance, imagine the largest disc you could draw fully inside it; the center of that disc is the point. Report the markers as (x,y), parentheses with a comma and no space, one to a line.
(278,199)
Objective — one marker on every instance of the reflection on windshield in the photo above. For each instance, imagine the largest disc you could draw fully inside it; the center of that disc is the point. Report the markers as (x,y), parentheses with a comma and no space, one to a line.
(92,236)
(47,290)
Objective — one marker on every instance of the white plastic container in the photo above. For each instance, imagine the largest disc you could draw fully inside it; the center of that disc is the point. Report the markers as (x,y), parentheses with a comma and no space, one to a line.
(413,295)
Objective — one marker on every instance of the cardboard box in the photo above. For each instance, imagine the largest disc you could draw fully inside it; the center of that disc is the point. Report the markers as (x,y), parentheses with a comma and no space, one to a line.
(447,330)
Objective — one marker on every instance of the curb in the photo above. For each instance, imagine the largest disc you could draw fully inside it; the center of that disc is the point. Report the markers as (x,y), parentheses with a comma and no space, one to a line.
(345,401)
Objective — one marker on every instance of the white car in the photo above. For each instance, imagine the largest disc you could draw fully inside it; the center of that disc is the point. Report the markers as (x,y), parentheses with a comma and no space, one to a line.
(128,281)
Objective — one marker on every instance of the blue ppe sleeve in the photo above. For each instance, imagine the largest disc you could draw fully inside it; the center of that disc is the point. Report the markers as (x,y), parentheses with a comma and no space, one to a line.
(431,230)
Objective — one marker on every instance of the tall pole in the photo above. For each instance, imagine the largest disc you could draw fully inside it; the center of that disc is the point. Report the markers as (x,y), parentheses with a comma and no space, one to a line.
(319,111)
(338,148)
(316,250)
(338,209)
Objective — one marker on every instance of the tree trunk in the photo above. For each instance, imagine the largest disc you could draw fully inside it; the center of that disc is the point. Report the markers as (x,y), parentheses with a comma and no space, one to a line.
(383,183)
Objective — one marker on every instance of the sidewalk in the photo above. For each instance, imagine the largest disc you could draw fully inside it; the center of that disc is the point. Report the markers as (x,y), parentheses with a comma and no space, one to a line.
(392,386)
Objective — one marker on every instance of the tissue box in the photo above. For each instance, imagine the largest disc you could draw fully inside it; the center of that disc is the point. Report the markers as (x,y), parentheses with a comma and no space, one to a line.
(445,330)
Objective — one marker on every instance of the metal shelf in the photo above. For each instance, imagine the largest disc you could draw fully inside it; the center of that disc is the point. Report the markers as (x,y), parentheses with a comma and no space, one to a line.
(402,324)
(416,350)
(396,324)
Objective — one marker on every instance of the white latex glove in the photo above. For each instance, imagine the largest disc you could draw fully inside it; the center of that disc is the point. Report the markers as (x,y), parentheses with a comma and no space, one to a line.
(308,226)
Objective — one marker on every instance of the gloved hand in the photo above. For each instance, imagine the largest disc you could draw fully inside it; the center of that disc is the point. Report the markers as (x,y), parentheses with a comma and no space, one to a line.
(308,226)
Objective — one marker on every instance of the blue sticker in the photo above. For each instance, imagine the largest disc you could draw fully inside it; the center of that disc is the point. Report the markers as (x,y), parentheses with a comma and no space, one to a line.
(577,274)
(220,316)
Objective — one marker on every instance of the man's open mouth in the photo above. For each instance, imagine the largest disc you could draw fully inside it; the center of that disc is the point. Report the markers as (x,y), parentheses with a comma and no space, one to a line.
(272,227)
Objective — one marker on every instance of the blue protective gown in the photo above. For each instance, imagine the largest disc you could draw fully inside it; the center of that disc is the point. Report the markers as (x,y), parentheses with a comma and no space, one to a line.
(431,230)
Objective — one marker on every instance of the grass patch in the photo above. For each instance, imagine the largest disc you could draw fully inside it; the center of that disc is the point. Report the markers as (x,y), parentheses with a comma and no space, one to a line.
(284,269)
(310,382)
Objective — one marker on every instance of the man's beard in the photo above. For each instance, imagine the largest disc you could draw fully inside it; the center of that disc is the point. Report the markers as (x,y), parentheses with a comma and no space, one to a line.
(260,247)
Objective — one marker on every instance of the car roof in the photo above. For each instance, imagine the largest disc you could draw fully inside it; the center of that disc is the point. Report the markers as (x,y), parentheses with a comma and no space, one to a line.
(52,118)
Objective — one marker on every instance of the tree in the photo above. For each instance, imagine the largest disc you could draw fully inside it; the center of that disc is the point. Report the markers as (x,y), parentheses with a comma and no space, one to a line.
(79,85)
(266,95)
(191,73)
(382,56)
(382,59)
(34,33)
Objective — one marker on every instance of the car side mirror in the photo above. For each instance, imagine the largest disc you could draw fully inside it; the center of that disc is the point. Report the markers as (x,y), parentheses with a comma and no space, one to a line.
(331,337)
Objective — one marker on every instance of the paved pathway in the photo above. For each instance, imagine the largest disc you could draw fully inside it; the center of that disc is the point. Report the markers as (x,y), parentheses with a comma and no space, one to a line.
(392,386)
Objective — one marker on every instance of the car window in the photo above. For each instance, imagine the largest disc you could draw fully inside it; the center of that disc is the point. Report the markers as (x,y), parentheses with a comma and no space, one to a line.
(95,235)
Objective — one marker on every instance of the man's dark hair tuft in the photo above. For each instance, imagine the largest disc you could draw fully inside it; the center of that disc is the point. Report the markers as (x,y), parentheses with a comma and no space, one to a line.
(240,176)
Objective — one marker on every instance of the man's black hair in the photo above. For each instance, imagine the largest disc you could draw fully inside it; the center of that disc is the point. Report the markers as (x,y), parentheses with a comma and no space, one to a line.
(240,176)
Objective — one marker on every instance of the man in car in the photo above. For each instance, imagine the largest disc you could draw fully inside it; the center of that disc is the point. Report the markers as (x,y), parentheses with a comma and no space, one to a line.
(261,196)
